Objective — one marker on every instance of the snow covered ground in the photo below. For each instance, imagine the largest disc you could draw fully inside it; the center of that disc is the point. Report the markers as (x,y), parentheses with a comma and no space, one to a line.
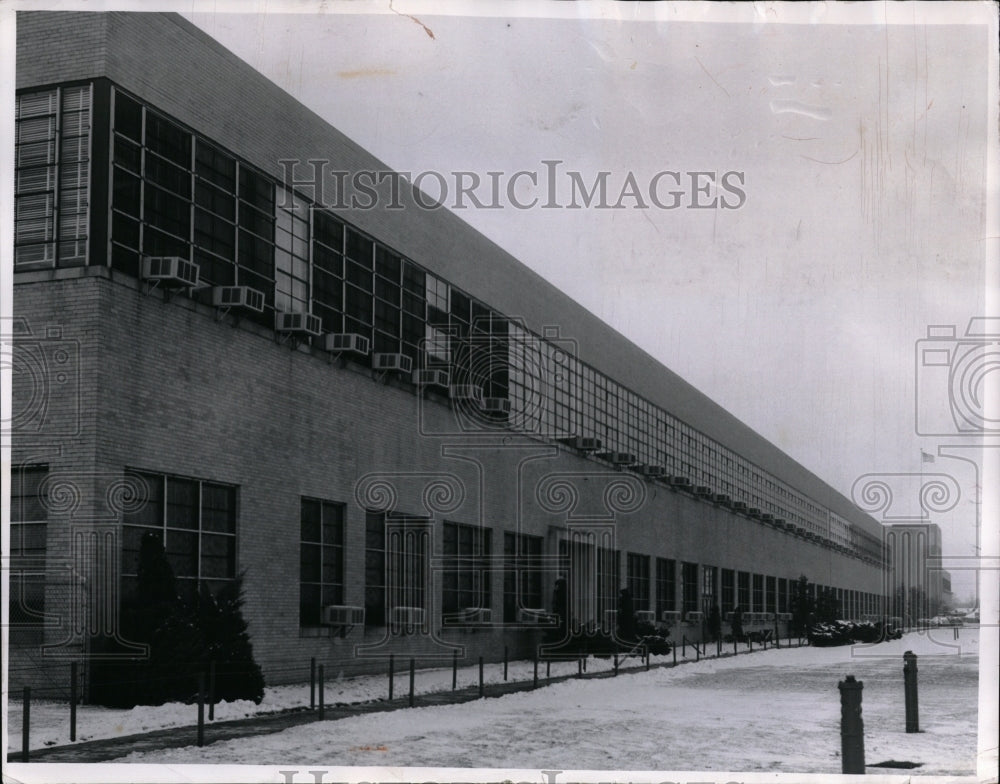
(773,711)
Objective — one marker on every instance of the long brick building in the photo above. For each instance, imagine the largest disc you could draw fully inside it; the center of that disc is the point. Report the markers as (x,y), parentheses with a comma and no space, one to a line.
(399,434)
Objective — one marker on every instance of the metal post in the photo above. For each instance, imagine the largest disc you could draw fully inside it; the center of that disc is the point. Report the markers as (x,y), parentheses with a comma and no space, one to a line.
(392,673)
(579,668)
(697,653)
(584,663)
(454,669)
(322,701)
(684,646)
(852,728)
(647,659)
(534,682)
(481,692)
(505,662)
(201,708)
(718,647)
(910,689)
(412,678)
(312,683)
(25,723)
(736,649)
(616,664)
(211,690)
(72,700)
(673,649)
(548,669)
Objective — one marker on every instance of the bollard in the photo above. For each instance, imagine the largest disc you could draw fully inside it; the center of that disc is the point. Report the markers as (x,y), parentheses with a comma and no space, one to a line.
(72,701)
(201,708)
(392,673)
(584,663)
(481,692)
(322,701)
(910,691)
(312,683)
(647,659)
(412,674)
(684,646)
(454,669)
(750,643)
(697,653)
(534,682)
(505,662)
(673,649)
(852,728)
(25,723)
(735,648)
(548,669)
(616,664)
(579,668)
(718,647)
(211,690)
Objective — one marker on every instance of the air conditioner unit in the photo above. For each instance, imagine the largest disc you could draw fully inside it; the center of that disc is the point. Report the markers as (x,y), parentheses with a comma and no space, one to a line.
(740,506)
(680,481)
(654,471)
(538,616)
(767,518)
(467,392)
(721,498)
(703,490)
(298,324)
(768,617)
(670,616)
(343,615)
(784,617)
(645,616)
(496,405)
(346,343)
(753,511)
(406,616)
(693,618)
(618,458)
(430,378)
(170,269)
(241,297)
(394,363)
(583,444)
(780,522)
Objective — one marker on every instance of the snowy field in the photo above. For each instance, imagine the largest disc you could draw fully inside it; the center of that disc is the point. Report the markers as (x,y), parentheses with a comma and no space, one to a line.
(773,711)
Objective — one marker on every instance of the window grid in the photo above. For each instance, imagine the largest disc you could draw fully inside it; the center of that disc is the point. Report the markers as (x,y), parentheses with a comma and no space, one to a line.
(321,559)
(637,580)
(466,578)
(522,579)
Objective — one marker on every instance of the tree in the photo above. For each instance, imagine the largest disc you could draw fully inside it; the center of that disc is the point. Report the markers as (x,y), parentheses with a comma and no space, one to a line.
(227,643)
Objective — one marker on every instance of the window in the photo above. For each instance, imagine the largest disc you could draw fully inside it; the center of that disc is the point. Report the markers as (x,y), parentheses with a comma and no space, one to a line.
(396,570)
(770,595)
(52,177)
(727,599)
(466,578)
(607,582)
(321,559)
(758,593)
(709,574)
(637,580)
(28,524)
(196,521)
(782,595)
(666,590)
(689,579)
(375,599)
(522,584)
(743,591)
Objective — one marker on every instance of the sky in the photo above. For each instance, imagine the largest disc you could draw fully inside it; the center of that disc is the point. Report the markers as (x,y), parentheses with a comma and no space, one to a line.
(858,154)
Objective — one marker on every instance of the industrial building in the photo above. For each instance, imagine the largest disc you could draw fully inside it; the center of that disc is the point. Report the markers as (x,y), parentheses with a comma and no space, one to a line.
(399,434)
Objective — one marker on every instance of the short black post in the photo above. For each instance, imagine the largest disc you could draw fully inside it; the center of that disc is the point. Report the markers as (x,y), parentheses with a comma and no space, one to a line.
(534,682)
(25,723)
(201,708)
(616,664)
(412,678)
(579,668)
(211,690)
(697,653)
(505,662)
(647,659)
(718,646)
(910,689)
(736,649)
(852,728)
(548,669)
(481,692)
(673,648)
(392,673)
(684,646)
(584,663)
(454,669)
(322,701)
(72,700)
(312,683)
(750,643)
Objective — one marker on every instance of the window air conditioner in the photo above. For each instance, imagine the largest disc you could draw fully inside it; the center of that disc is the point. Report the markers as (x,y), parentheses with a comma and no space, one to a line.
(740,506)
(703,490)
(693,618)
(680,481)
(297,323)
(654,470)
(645,616)
(428,378)
(583,444)
(670,616)
(721,498)
(496,405)
(346,342)
(396,363)
(343,615)
(241,297)
(467,392)
(784,616)
(539,616)
(170,269)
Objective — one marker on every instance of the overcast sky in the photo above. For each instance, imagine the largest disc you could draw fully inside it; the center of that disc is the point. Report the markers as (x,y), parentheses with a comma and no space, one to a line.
(861,150)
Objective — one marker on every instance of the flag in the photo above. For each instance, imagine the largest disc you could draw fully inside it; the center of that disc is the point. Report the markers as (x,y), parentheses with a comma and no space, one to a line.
(926,458)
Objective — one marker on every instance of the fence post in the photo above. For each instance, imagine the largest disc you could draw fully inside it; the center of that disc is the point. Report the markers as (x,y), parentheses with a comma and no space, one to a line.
(481,692)
(673,649)
(852,728)
(72,700)
(201,708)
(454,669)
(322,702)
(548,669)
(412,678)
(684,646)
(312,683)
(505,662)
(697,653)
(647,658)
(579,668)
(392,673)
(736,650)
(616,664)
(534,682)
(25,723)
(910,690)
(211,690)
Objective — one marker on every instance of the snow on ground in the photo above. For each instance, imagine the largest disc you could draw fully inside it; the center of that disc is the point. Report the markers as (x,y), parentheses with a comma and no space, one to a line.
(774,711)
